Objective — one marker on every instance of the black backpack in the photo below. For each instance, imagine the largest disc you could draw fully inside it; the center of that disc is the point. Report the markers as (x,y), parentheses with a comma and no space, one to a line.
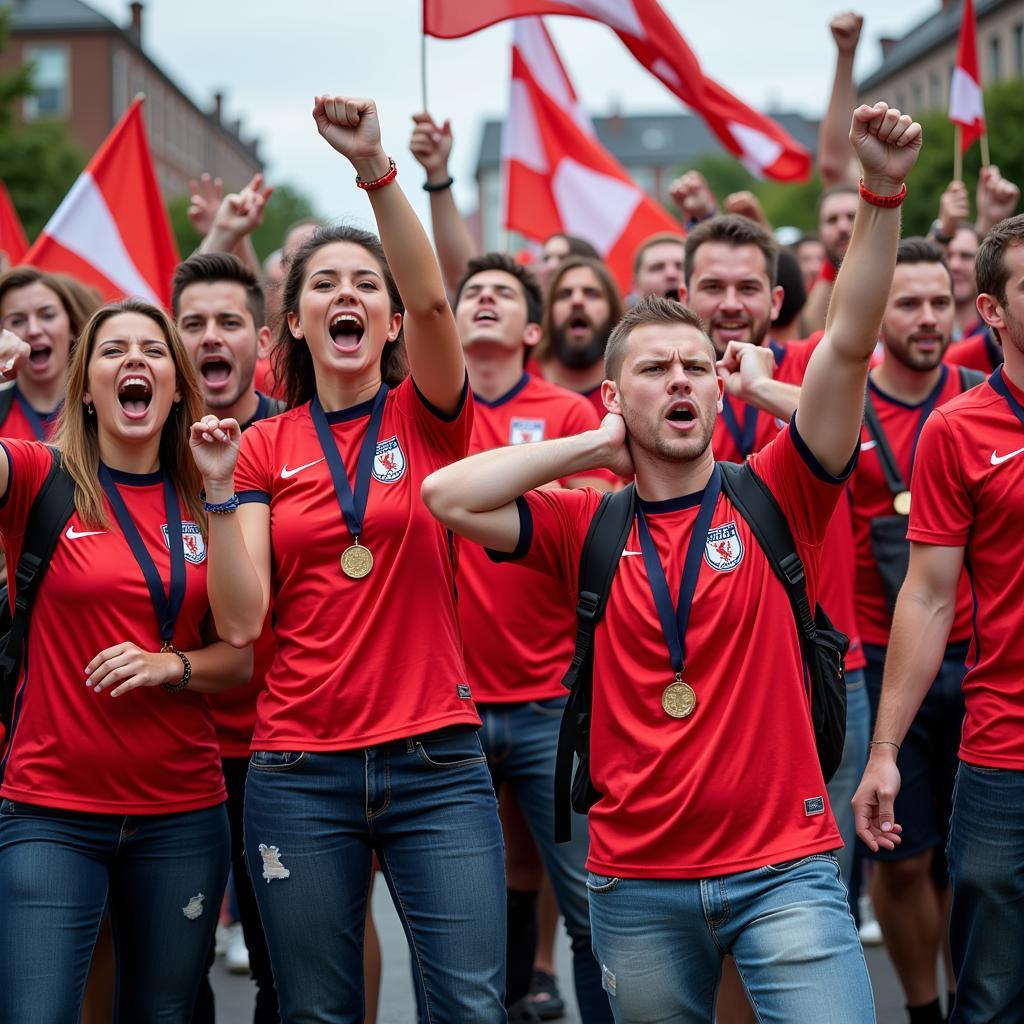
(823,646)
(50,510)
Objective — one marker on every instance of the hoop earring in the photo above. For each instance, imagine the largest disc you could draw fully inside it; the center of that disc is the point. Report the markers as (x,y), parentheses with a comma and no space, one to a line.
(90,409)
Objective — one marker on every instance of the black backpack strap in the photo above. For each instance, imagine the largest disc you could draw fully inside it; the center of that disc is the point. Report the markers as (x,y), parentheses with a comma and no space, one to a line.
(50,510)
(893,477)
(599,561)
(749,493)
(970,378)
(6,401)
(275,406)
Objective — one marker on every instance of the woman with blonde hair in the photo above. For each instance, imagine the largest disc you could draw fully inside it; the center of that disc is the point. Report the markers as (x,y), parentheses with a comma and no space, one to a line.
(110,786)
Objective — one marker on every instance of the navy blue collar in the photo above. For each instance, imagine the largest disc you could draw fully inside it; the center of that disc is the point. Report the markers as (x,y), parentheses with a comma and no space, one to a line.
(507,397)
(932,395)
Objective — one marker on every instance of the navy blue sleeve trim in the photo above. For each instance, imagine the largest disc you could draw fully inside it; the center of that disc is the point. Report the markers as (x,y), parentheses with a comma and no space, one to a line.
(811,460)
(525,535)
(10,474)
(433,409)
(251,497)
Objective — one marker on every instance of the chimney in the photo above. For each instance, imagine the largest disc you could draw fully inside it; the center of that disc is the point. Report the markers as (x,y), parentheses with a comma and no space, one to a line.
(887,43)
(218,104)
(236,128)
(135,28)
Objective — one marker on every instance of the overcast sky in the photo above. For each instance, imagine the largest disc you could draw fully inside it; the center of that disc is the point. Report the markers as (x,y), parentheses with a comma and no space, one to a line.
(271,58)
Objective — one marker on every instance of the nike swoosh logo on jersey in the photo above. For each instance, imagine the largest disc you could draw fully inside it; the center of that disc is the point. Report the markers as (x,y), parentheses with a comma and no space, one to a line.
(998,460)
(624,553)
(286,472)
(73,534)
(866,446)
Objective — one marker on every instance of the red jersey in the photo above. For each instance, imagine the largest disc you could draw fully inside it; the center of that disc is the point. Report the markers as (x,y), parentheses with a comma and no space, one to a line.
(234,710)
(871,497)
(25,423)
(149,751)
(517,629)
(969,490)
(736,785)
(979,352)
(365,661)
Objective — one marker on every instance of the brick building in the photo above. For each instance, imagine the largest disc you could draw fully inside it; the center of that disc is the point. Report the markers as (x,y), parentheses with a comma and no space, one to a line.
(88,70)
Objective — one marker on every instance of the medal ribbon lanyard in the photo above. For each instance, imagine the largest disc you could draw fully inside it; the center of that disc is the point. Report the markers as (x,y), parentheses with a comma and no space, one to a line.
(675,621)
(1000,387)
(744,438)
(353,507)
(165,605)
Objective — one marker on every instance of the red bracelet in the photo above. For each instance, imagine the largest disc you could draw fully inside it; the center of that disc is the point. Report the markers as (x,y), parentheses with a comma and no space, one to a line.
(384,179)
(886,202)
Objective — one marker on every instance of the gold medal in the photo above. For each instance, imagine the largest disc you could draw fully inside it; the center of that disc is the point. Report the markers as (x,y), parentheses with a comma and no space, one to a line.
(356,561)
(678,700)
(901,503)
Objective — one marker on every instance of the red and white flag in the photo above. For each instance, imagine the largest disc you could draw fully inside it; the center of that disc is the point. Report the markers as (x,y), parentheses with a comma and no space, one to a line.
(12,234)
(558,176)
(764,148)
(966,106)
(111,230)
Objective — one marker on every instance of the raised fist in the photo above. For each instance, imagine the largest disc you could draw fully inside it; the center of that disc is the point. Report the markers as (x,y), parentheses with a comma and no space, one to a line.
(432,146)
(691,194)
(352,128)
(846,31)
(996,198)
(886,143)
(954,208)
(746,204)
(14,354)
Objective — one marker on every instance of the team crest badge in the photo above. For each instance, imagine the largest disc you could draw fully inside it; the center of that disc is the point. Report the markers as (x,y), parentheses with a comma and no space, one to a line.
(389,461)
(524,431)
(191,541)
(723,550)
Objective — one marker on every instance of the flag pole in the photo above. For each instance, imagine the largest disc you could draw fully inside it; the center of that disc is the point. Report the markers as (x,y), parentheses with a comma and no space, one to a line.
(985,161)
(958,156)
(423,61)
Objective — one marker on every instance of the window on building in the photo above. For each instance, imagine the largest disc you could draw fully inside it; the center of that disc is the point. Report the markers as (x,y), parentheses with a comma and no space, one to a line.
(995,59)
(1018,50)
(50,80)
(934,91)
(916,97)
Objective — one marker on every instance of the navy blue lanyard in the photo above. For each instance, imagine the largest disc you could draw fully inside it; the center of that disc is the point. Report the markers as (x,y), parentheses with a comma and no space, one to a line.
(35,421)
(1000,387)
(676,621)
(353,507)
(744,438)
(165,605)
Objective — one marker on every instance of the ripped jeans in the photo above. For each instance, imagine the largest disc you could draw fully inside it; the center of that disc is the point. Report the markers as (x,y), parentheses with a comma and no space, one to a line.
(426,806)
(161,877)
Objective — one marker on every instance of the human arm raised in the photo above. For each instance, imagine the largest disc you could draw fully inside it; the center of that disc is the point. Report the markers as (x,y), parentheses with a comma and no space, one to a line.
(432,341)
(836,162)
(920,630)
(237,216)
(996,199)
(14,355)
(832,396)
(431,145)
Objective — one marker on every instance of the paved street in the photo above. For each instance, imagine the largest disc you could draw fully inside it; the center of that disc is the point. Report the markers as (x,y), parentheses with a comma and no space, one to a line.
(234,993)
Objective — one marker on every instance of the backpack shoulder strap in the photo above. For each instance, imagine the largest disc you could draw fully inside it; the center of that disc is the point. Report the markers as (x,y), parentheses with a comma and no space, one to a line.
(893,477)
(275,406)
(970,378)
(6,401)
(749,493)
(599,561)
(50,510)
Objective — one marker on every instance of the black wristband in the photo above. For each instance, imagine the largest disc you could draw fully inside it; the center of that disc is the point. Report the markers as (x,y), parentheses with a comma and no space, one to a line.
(439,186)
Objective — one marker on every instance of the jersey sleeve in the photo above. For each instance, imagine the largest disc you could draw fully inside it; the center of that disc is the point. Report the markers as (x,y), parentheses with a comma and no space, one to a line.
(552,527)
(254,470)
(941,508)
(447,436)
(806,492)
(28,464)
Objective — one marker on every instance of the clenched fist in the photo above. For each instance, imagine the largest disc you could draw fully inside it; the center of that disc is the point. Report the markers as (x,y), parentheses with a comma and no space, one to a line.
(886,143)
(352,127)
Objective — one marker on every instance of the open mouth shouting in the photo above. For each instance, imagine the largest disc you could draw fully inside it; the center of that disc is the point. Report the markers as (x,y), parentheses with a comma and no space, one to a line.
(39,357)
(485,316)
(579,328)
(135,395)
(346,330)
(682,415)
(216,372)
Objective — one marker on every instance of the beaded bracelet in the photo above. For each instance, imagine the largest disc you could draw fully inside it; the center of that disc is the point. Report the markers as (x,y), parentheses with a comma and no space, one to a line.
(886,202)
(385,179)
(885,743)
(186,674)
(221,508)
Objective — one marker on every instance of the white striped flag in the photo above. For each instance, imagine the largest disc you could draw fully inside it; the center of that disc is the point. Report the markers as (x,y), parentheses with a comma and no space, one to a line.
(966,106)
(111,230)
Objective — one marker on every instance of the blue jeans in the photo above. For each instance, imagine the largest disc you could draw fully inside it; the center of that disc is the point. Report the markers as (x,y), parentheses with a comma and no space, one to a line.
(855,756)
(986,867)
(520,741)
(426,807)
(160,876)
(660,943)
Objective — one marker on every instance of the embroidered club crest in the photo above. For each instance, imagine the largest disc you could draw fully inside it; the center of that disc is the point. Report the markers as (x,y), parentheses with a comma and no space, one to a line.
(524,431)
(723,550)
(389,461)
(191,541)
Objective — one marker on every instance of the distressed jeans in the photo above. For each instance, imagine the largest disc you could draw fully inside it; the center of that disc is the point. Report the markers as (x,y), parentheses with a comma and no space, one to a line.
(426,806)
(160,876)
(660,943)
